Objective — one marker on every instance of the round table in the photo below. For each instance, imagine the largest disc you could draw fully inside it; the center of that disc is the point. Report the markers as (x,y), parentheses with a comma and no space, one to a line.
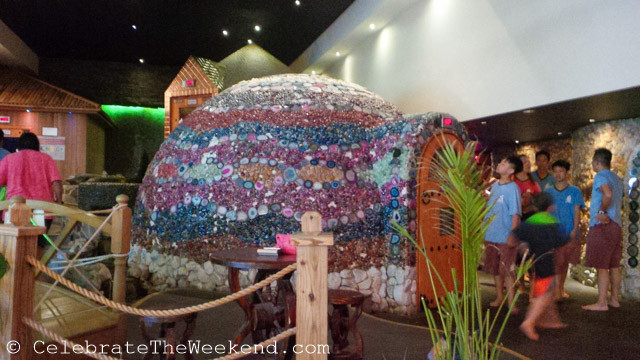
(262,316)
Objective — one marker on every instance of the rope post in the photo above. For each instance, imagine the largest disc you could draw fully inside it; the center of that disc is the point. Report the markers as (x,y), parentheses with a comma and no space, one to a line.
(17,240)
(312,287)
(120,244)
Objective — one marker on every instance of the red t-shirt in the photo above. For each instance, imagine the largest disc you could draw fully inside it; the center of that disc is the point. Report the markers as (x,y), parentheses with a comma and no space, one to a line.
(527,188)
(30,174)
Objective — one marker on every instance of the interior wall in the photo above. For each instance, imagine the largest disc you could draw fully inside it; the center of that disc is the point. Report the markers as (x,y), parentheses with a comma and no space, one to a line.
(95,147)
(72,127)
(481,58)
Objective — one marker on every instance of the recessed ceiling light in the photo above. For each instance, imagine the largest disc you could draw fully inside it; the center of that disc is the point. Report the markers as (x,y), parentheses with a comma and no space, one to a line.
(337,53)
(257,28)
(141,60)
(559,133)
(372,26)
(297,2)
(592,120)
(249,42)
(529,111)
(517,141)
(225,33)
(28,110)
(134,27)
(313,72)
(484,123)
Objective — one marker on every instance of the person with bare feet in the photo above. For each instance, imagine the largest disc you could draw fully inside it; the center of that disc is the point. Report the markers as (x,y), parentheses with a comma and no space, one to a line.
(500,247)
(568,201)
(604,241)
(542,235)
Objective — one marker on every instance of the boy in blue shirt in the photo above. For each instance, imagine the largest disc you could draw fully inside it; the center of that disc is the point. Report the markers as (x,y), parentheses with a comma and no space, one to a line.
(500,247)
(604,241)
(542,175)
(568,201)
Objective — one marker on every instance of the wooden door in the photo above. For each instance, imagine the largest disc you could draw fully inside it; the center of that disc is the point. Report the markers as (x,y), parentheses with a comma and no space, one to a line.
(181,106)
(435,220)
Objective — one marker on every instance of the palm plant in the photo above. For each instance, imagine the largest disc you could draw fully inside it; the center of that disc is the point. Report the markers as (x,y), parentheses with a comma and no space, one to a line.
(474,333)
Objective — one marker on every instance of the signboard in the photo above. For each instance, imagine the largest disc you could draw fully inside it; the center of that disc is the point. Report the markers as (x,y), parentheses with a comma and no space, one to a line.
(5,119)
(52,145)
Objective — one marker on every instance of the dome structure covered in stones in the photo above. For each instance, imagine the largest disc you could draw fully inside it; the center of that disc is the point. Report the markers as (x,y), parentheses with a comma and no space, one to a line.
(248,163)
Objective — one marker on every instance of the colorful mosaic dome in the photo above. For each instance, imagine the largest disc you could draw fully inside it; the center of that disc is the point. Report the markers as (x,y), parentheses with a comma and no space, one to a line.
(249,162)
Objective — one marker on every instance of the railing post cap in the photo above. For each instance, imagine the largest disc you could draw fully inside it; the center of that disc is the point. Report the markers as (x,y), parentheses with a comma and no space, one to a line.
(18,199)
(122,199)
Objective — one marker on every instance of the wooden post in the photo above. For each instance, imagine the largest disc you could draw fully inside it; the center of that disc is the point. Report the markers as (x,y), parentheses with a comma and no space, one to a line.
(312,288)
(120,244)
(17,285)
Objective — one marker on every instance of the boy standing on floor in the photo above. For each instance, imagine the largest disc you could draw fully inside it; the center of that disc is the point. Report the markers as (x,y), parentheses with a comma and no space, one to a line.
(543,235)
(500,252)
(568,201)
(541,175)
(604,241)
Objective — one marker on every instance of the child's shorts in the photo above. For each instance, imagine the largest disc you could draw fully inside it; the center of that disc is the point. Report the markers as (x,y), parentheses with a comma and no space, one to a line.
(542,285)
(568,254)
(499,257)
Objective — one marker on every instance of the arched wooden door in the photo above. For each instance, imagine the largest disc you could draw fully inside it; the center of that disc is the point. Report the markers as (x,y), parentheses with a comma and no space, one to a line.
(435,220)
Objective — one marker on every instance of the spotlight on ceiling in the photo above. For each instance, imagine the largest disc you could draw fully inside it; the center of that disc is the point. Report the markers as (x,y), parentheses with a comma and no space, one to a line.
(529,111)
(257,28)
(337,53)
(249,42)
(225,33)
(134,27)
(297,2)
(484,123)
(592,120)
(559,133)
(517,141)
(141,60)
(372,26)
(28,110)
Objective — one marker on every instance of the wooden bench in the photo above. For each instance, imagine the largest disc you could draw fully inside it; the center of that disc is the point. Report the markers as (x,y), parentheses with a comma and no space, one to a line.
(341,323)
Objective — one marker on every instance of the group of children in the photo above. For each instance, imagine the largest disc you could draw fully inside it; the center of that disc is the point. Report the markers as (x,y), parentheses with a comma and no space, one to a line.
(540,212)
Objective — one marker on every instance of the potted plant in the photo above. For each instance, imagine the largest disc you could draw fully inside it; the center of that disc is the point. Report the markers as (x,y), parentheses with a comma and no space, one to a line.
(459,328)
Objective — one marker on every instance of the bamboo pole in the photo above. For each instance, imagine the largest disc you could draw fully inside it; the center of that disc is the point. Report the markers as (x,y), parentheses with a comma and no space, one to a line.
(17,240)
(120,244)
(312,288)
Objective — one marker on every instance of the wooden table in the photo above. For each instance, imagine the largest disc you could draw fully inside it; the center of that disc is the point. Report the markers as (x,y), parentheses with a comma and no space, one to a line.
(265,314)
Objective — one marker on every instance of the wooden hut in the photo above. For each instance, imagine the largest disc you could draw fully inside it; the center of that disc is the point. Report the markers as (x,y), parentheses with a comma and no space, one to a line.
(197,81)
(61,119)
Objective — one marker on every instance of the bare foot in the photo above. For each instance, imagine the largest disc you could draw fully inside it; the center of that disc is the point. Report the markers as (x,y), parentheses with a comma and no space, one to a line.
(565,295)
(496,302)
(529,330)
(515,311)
(552,325)
(596,307)
(614,303)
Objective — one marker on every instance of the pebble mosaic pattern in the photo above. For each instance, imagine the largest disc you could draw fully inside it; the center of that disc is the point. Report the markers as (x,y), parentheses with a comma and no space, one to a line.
(634,217)
(248,163)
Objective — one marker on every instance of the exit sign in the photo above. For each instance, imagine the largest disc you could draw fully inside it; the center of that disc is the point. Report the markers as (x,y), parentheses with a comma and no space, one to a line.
(188,83)
(5,119)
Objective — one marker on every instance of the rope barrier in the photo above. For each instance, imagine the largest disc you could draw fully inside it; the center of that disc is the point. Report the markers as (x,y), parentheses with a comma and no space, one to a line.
(98,230)
(159,313)
(99,356)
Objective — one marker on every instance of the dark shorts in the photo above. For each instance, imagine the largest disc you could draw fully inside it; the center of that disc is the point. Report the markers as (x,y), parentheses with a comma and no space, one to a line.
(604,246)
(499,258)
(568,254)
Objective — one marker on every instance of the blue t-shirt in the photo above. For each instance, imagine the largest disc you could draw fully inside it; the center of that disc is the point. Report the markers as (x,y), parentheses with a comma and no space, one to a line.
(565,201)
(505,199)
(606,177)
(545,183)
(3,153)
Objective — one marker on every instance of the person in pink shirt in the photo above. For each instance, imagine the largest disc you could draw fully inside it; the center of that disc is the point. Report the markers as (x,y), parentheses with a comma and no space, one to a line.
(31,174)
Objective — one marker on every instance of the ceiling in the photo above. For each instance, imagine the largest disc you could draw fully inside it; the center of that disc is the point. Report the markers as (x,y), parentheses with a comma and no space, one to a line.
(168,31)
(554,120)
